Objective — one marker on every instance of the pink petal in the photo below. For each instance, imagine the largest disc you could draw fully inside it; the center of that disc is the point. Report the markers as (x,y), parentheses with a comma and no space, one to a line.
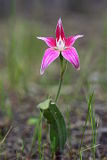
(50,41)
(49,56)
(71,55)
(69,41)
(60,30)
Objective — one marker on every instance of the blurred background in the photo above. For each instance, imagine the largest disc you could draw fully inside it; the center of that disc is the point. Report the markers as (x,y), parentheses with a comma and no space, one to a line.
(21,85)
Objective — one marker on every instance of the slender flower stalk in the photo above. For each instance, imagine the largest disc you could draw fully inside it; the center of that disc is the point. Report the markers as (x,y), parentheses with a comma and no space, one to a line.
(63,69)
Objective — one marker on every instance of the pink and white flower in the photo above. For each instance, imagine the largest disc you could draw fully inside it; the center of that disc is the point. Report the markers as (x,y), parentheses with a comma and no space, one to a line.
(60,45)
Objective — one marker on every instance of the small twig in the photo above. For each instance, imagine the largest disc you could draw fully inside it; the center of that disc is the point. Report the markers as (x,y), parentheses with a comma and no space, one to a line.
(88,148)
(6,135)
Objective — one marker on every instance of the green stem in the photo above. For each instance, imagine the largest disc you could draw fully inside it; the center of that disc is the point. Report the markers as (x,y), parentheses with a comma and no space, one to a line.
(59,88)
(87,118)
(63,68)
(37,134)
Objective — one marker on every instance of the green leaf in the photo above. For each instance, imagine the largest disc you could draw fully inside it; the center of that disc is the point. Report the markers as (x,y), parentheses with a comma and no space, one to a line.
(32,121)
(44,105)
(57,124)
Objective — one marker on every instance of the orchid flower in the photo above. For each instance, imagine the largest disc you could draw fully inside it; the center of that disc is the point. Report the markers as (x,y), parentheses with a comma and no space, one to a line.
(60,45)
